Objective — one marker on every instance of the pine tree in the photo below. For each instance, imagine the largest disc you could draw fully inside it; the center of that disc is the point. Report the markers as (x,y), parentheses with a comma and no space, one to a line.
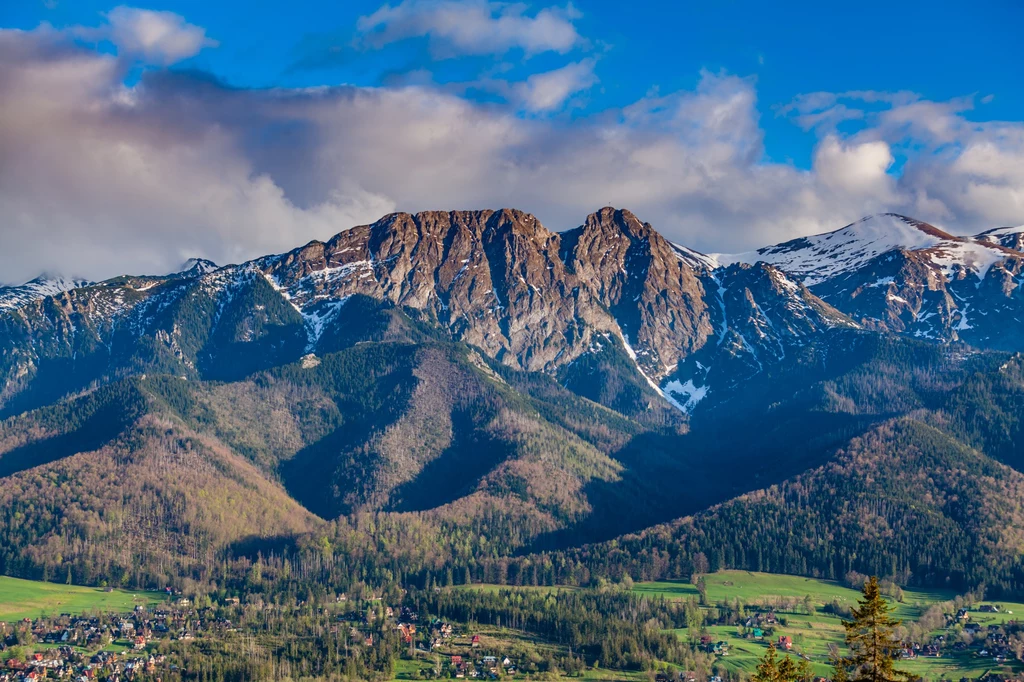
(771,669)
(872,642)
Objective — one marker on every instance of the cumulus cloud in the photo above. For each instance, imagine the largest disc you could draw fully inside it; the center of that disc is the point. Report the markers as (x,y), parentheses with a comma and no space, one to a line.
(156,38)
(958,172)
(473,27)
(856,168)
(97,179)
(549,90)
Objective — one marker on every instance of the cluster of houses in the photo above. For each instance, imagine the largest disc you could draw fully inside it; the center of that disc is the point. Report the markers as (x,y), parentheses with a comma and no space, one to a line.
(483,667)
(66,636)
(440,636)
(719,648)
(136,629)
(761,624)
(68,664)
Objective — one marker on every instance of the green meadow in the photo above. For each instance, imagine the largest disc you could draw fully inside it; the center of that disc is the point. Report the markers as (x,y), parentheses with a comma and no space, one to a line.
(30,599)
(812,634)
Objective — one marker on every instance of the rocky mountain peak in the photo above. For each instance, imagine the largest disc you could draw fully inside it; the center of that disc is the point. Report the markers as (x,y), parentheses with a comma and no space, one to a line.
(194,267)
(654,295)
(895,273)
(493,278)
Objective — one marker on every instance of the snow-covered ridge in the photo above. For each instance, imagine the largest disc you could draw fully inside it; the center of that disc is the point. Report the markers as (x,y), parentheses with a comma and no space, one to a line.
(695,259)
(999,231)
(820,257)
(14,297)
(194,267)
(17,296)
(1008,237)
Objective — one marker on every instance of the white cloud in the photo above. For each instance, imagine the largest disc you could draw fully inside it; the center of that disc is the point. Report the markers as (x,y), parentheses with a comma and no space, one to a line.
(549,90)
(959,173)
(97,179)
(855,168)
(155,38)
(472,27)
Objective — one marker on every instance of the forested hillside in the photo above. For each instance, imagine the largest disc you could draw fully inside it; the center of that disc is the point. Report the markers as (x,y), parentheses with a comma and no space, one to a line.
(929,498)
(466,396)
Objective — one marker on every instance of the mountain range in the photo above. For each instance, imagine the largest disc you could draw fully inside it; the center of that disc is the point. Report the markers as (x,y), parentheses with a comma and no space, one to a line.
(471,387)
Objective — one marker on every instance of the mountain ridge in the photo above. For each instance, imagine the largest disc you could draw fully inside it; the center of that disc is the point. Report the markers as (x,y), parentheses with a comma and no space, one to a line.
(530,298)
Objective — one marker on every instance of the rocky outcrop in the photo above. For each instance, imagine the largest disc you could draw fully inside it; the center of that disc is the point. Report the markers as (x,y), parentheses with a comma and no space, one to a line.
(494,279)
(654,295)
(760,316)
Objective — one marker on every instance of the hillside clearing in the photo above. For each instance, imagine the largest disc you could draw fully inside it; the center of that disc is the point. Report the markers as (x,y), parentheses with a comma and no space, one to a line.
(29,599)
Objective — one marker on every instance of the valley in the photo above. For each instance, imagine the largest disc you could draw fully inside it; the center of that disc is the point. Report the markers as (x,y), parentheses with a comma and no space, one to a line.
(949,636)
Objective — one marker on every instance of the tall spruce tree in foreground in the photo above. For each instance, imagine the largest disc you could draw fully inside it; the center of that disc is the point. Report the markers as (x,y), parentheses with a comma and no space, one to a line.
(872,642)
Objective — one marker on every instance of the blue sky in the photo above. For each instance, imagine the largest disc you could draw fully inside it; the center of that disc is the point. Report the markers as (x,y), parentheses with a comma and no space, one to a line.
(940,50)
(726,124)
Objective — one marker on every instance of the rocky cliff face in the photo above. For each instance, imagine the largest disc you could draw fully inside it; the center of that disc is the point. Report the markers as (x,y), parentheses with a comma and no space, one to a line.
(760,316)
(654,295)
(493,279)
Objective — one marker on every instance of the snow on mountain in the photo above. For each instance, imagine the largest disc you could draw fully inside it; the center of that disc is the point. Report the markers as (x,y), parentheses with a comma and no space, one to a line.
(1008,237)
(194,267)
(14,297)
(821,257)
(760,317)
(893,273)
(695,259)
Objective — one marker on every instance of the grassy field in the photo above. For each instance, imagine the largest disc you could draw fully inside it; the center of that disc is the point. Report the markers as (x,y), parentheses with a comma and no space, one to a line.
(762,588)
(30,599)
(812,634)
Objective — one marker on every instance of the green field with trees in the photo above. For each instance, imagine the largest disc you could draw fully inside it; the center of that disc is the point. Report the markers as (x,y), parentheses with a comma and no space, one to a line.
(30,599)
(726,607)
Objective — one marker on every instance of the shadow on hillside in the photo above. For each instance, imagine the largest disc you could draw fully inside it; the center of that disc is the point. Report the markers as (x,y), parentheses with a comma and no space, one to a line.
(104,425)
(669,476)
(457,471)
(56,378)
(323,476)
(254,545)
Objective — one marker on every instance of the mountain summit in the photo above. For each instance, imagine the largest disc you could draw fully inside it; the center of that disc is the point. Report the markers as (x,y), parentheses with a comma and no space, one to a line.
(894,273)
(821,257)
(13,297)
